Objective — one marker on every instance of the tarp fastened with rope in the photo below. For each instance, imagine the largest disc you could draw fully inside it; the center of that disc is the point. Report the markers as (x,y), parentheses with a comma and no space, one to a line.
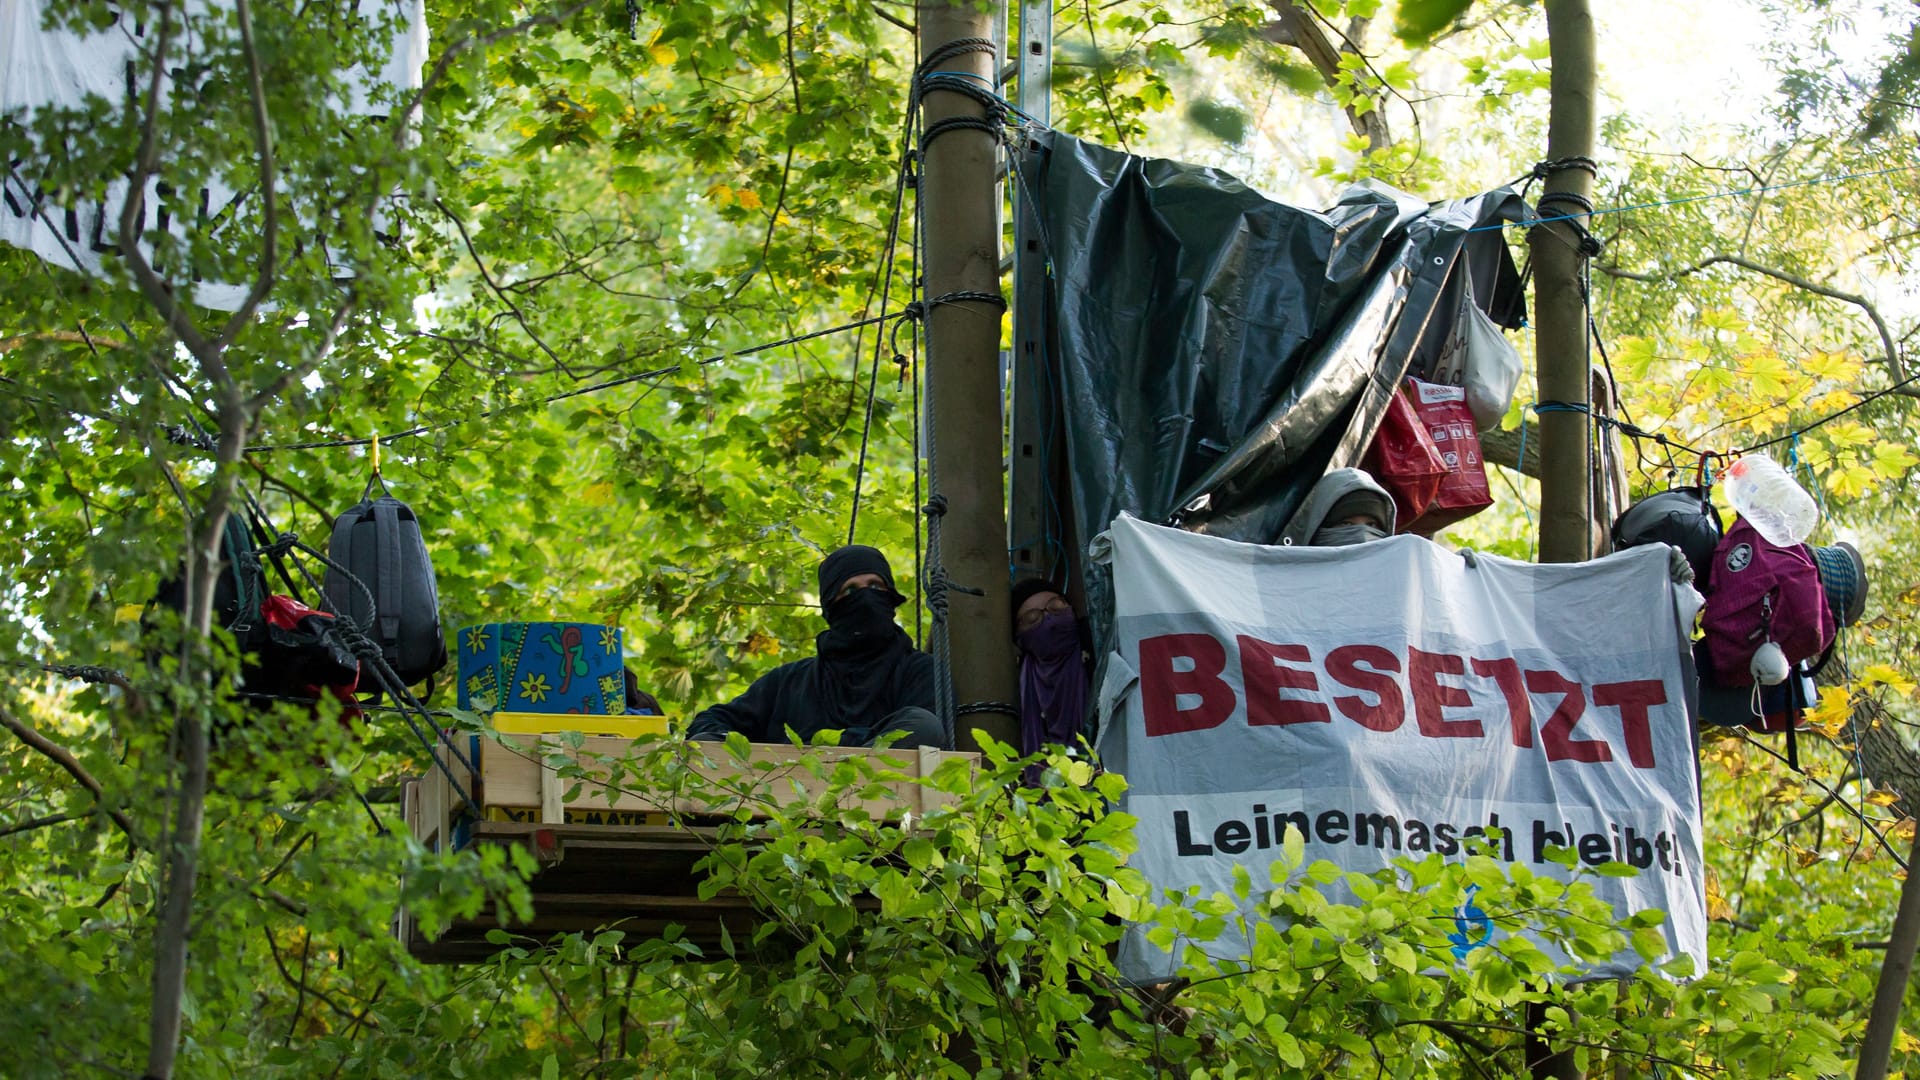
(1216,351)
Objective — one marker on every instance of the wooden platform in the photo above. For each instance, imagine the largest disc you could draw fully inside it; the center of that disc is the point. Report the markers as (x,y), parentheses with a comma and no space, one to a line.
(632,876)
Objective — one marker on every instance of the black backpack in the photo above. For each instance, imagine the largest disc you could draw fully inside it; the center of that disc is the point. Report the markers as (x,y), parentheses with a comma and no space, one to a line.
(378,543)
(238,592)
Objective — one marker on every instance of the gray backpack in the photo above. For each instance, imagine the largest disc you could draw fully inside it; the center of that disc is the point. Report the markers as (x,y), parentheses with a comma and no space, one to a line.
(378,542)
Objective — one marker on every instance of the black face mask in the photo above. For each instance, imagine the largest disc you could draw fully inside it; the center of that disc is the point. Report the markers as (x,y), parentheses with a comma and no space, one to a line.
(862,617)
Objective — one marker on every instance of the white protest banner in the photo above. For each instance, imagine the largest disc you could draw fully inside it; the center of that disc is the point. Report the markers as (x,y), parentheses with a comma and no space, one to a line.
(55,69)
(1392,699)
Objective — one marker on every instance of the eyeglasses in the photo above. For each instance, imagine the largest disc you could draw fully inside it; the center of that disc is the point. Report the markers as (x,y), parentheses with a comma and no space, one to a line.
(1032,617)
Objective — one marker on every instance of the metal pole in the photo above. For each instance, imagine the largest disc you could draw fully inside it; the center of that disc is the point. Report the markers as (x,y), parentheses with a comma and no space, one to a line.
(962,214)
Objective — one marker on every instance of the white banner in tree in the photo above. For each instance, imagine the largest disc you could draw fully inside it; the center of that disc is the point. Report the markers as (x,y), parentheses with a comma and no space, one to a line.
(1393,699)
(42,68)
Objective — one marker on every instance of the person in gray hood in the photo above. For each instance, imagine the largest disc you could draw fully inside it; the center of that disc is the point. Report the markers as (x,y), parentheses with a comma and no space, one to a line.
(1347,506)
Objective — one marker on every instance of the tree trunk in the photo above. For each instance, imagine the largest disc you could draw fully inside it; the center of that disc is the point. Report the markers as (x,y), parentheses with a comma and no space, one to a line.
(1560,335)
(965,431)
(1895,971)
(182,850)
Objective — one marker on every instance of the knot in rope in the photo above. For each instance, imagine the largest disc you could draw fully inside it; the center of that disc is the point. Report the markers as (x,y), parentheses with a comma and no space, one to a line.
(1590,246)
(93,673)
(283,543)
(936,592)
(180,436)
(1544,169)
(936,506)
(966,84)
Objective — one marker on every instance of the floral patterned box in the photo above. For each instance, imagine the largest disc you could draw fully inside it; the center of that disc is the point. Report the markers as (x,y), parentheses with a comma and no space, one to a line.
(542,667)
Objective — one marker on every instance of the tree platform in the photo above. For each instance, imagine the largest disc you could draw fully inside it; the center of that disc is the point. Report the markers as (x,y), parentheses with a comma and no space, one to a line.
(621,857)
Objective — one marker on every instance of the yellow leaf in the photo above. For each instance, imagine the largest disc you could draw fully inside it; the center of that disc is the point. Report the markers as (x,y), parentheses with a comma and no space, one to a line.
(1891,460)
(721,194)
(126,613)
(1905,1042)
(662,54)
(1886,675)
(1717,907)
(1848,433)
(748,199)
(598,494)
(1831,714)
(1850,482)
(1883,798)
(1833,367)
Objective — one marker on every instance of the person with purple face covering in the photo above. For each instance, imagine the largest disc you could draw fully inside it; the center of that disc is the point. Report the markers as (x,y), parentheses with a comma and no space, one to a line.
(1055,669)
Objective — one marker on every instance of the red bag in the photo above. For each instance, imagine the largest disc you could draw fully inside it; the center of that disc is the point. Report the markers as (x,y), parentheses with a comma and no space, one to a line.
(1444,413)
(1405,461)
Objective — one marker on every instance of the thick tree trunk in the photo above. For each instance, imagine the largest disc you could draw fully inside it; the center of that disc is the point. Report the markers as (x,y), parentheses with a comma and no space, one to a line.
(1560,335)
(1896,969)
(965,431)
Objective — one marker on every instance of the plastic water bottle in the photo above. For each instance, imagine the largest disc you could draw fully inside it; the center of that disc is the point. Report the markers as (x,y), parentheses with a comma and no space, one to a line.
(1766,495)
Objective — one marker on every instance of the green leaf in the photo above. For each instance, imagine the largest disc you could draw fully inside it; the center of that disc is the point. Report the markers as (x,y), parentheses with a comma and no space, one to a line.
(1416,22)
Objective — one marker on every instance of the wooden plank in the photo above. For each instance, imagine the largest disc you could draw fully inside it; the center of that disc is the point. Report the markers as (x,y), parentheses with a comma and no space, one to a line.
(512,776)
(433,809)
(410,806)
(552,786)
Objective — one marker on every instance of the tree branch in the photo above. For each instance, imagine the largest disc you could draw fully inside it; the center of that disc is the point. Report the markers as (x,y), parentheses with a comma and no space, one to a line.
(60,756)
(299,371)
(404,117)
(133,214)
(41,822)
(1502,447)
(512,308)
(895,19)
(1891,356)
(1293,25)
(269,202)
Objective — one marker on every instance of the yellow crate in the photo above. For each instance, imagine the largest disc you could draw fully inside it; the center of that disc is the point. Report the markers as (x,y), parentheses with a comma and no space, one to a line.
(626,725)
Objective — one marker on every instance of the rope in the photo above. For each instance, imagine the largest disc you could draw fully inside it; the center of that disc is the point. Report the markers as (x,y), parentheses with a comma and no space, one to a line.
(958,47)
(595,388)
(918,310)
(1754,189)
(938,128)
(1829,418)
(1544,169)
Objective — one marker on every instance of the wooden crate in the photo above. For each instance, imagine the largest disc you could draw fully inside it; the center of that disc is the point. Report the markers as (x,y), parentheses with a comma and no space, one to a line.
(518,775)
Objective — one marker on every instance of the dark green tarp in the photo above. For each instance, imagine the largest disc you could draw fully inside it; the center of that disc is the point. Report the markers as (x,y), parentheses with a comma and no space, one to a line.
(1215,352)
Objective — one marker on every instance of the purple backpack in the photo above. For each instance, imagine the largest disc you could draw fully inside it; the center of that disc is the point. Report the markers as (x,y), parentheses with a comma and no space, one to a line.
(1757,593)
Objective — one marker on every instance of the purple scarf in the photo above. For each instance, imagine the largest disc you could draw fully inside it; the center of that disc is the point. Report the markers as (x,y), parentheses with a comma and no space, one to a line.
(1053,683)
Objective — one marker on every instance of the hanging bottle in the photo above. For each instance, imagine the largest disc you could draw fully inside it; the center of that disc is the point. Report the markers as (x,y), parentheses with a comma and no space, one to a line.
(1767,496)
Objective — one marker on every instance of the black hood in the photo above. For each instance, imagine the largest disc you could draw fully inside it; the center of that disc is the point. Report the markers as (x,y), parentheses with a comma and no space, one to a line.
(848,562)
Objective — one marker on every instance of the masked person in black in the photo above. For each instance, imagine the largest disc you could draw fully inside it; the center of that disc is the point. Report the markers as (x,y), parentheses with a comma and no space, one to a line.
(866,681)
